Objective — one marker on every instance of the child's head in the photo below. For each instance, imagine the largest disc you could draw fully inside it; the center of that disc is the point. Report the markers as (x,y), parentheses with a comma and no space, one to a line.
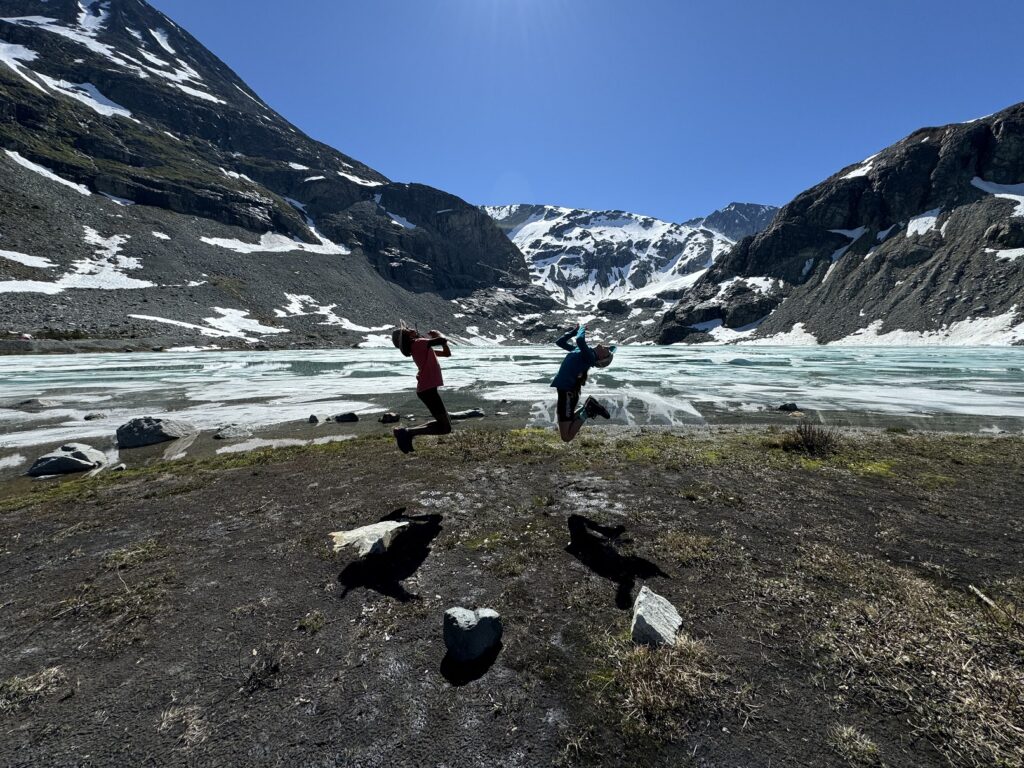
(402,338)
(605,354)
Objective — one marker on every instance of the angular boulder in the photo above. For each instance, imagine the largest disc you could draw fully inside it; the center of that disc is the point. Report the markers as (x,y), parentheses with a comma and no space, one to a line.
(655,620)
(149,431)
(68,459)
(232,432)
(469,635)
(343,418)
(389,418)
(370,539)
(789,407)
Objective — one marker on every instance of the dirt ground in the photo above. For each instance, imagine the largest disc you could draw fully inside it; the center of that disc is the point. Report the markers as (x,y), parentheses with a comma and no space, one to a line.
(858,609)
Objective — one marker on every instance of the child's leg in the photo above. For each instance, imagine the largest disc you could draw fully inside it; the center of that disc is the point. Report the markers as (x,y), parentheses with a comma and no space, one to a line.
(570,418)
(442,425)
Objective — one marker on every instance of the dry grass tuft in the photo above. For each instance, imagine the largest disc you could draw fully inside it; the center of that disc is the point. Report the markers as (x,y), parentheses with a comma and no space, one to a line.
(129,557)
(661,692)
(811,440)
(194,729)
(18,693)
(853,746)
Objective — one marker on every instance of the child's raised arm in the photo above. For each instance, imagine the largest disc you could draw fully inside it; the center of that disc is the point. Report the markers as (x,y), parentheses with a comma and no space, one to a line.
(581,342)
(435,339)
(563,341)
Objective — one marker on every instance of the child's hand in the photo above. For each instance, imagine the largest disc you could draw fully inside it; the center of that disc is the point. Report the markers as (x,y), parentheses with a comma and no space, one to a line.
(580,330)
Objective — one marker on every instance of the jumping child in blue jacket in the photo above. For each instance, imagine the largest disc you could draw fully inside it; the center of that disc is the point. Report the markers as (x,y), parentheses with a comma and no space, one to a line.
(572,375)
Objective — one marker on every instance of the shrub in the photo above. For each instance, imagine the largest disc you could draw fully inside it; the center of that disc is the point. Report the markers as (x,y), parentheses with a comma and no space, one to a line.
(812,440)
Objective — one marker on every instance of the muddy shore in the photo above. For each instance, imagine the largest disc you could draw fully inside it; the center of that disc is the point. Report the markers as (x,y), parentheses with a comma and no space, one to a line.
(857,609)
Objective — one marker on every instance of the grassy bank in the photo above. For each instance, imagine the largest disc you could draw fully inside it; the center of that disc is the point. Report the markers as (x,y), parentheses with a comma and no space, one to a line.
(853,602)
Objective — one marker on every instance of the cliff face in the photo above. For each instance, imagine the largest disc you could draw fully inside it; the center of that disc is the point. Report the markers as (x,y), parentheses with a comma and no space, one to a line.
(926,238)
(115,120)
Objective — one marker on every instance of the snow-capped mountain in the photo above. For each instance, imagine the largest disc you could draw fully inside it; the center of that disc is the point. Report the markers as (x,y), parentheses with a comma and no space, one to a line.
(921,243)
(737,220)
(147,193)
(584,257)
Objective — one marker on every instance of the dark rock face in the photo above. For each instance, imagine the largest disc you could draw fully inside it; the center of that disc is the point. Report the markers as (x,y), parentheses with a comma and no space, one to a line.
(208,167)
(914,238)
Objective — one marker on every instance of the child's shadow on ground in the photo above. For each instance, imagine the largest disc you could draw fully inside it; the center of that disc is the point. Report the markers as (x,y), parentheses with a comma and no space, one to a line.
(594,545)
(385,573)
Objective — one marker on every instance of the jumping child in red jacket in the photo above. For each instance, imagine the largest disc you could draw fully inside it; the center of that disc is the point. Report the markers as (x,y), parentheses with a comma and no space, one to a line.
(428,379)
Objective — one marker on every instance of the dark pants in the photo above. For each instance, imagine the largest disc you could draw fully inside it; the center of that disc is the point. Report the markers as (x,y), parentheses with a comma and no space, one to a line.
(568,399)
(441,425)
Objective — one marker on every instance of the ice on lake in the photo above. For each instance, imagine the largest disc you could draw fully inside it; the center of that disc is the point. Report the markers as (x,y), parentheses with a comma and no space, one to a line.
(933,387)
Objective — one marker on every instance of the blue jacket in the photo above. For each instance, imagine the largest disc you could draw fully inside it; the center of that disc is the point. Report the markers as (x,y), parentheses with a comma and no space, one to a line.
(579,360)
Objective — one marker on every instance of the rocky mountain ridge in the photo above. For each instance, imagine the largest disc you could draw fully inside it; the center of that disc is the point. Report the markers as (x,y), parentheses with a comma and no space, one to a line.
(148,193)
(921,243)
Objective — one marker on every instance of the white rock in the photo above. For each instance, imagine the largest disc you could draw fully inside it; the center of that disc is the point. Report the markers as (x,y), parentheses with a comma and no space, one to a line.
(468,635)
(655,619)
(70,458)
(370,539)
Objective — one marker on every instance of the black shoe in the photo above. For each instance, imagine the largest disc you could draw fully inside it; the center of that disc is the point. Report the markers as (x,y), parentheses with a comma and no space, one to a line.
(403,439)
(594,408)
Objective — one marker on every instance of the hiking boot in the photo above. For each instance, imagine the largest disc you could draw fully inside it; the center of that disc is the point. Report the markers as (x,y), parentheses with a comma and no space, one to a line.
(403,439)
(594,408)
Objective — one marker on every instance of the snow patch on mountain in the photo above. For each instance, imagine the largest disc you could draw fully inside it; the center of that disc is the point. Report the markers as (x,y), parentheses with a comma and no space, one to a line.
(37,262)
(1014,192)
(996,330)
(14,56)
(88,94)
(105,270)
(230,323)
(275,243)
(46,173)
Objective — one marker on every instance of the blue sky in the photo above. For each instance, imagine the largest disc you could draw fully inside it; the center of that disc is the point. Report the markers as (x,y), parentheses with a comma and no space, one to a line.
(670,108)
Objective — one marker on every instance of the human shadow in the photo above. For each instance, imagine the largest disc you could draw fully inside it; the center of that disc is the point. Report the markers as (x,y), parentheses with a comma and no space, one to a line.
(459,673)
(595,546)
(384,573)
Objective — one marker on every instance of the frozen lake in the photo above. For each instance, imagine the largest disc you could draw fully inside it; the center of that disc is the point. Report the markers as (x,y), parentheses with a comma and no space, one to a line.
(979,389)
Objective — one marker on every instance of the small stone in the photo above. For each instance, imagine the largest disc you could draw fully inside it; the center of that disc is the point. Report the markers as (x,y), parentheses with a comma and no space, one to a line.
(70,458)
(343,418)
(370,539)
(473,413)
(149,431)
(789,407)
(93,416)
(389,418)
(314,419)
(655,619)
(468,635)
(119,468)
(501,413)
